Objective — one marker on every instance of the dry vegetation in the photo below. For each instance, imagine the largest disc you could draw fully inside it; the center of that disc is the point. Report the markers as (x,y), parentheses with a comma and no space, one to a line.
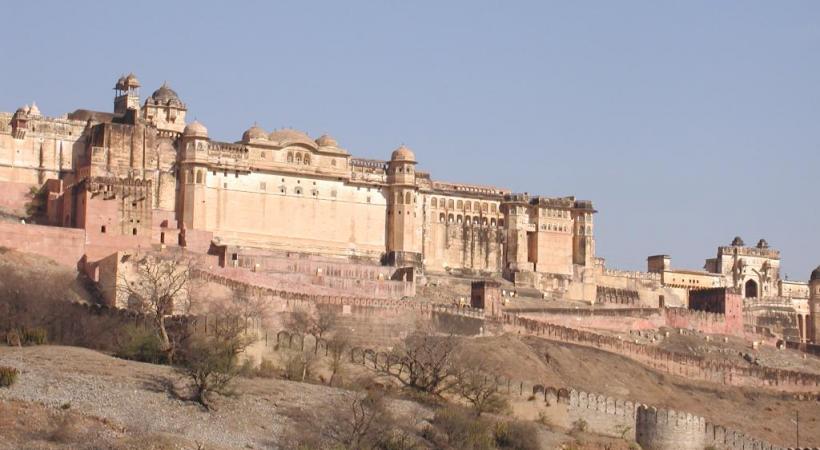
(429,392)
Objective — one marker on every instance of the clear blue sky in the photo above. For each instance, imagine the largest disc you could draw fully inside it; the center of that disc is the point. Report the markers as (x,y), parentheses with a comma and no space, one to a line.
(687,123)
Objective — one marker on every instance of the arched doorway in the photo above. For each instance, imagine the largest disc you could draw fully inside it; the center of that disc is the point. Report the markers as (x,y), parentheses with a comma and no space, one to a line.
(751,289)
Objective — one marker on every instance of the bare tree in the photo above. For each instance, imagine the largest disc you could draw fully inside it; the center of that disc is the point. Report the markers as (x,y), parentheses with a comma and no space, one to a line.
(158,287)
(337,346)
(210,363)
(299,322)
(324,321)
(424,363)
(358,421)
(477,385)
(317,325)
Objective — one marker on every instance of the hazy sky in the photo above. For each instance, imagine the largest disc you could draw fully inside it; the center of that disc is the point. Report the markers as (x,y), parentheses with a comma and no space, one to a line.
(686,123)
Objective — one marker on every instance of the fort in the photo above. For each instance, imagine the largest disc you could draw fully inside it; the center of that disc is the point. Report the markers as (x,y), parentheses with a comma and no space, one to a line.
(302,222)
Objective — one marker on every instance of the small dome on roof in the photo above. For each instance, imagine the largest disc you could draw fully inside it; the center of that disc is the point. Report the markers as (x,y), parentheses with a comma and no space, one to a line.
(166,96)
(34,110)
(286,135)
(737,242)
(762,244)
(326,141)
(254,132)
(195,129)
(22,110)
(403,154)
(131,80)
(815,274)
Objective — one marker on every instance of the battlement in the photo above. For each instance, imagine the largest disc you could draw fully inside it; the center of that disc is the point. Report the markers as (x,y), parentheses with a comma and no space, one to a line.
(749,251)
(690,314)
(675,419)
(602,403)
(100,183)
(634,274)
(463,188)
(368,163)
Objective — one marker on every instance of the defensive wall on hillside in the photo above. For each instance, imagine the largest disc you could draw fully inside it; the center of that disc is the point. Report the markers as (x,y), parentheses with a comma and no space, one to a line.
(670,362)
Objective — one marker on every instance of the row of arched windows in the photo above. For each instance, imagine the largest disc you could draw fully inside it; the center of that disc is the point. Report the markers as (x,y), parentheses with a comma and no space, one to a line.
(469,220)
(299,158)
(549,212)
(465,205)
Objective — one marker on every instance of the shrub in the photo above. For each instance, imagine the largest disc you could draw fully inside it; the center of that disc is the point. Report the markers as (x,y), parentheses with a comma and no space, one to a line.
(8,376)
(516,435)
(579,425)
(13,338)
(141,344)
(34,336)
(461,429)
(247,369)
(267,369)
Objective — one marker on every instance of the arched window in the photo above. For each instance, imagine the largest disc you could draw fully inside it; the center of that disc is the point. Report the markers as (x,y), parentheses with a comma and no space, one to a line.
(307,160)
(589,230)
(492,222)
(434,202)
(493,208)
(441,217)
(190,176)
(199,177)
(398,198)
(460,205)
(581,231)
(407,198)
(290,157)
(459,219)
(450,204)
(450,218)
(484,207)
(298,158)
(468,206)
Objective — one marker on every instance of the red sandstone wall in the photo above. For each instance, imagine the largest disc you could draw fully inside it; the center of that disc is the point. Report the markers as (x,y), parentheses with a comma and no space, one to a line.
(63,245)
(14,197)
(710,323)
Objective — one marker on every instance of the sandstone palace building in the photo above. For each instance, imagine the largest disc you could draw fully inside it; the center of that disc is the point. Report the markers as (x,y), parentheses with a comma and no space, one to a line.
(144,175)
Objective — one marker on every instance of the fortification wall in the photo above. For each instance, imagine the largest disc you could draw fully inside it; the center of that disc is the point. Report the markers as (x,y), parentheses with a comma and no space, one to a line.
(661,429)
(323,216)
(603,415)
(591,319)
(66,246)
(462,246)
(670,362)
(705,322)
(15,197)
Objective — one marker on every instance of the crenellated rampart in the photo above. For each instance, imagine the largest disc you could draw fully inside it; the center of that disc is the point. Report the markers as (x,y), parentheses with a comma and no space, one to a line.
(684,365)
(666,429)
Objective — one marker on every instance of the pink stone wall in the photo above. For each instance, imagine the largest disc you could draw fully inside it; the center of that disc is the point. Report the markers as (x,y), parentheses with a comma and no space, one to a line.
(63,245)
(14,196)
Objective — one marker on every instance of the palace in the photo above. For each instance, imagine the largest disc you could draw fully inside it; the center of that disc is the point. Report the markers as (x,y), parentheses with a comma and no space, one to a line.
(142,176)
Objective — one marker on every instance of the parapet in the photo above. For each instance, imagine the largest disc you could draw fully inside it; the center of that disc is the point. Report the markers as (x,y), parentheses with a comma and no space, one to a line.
(662,429)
